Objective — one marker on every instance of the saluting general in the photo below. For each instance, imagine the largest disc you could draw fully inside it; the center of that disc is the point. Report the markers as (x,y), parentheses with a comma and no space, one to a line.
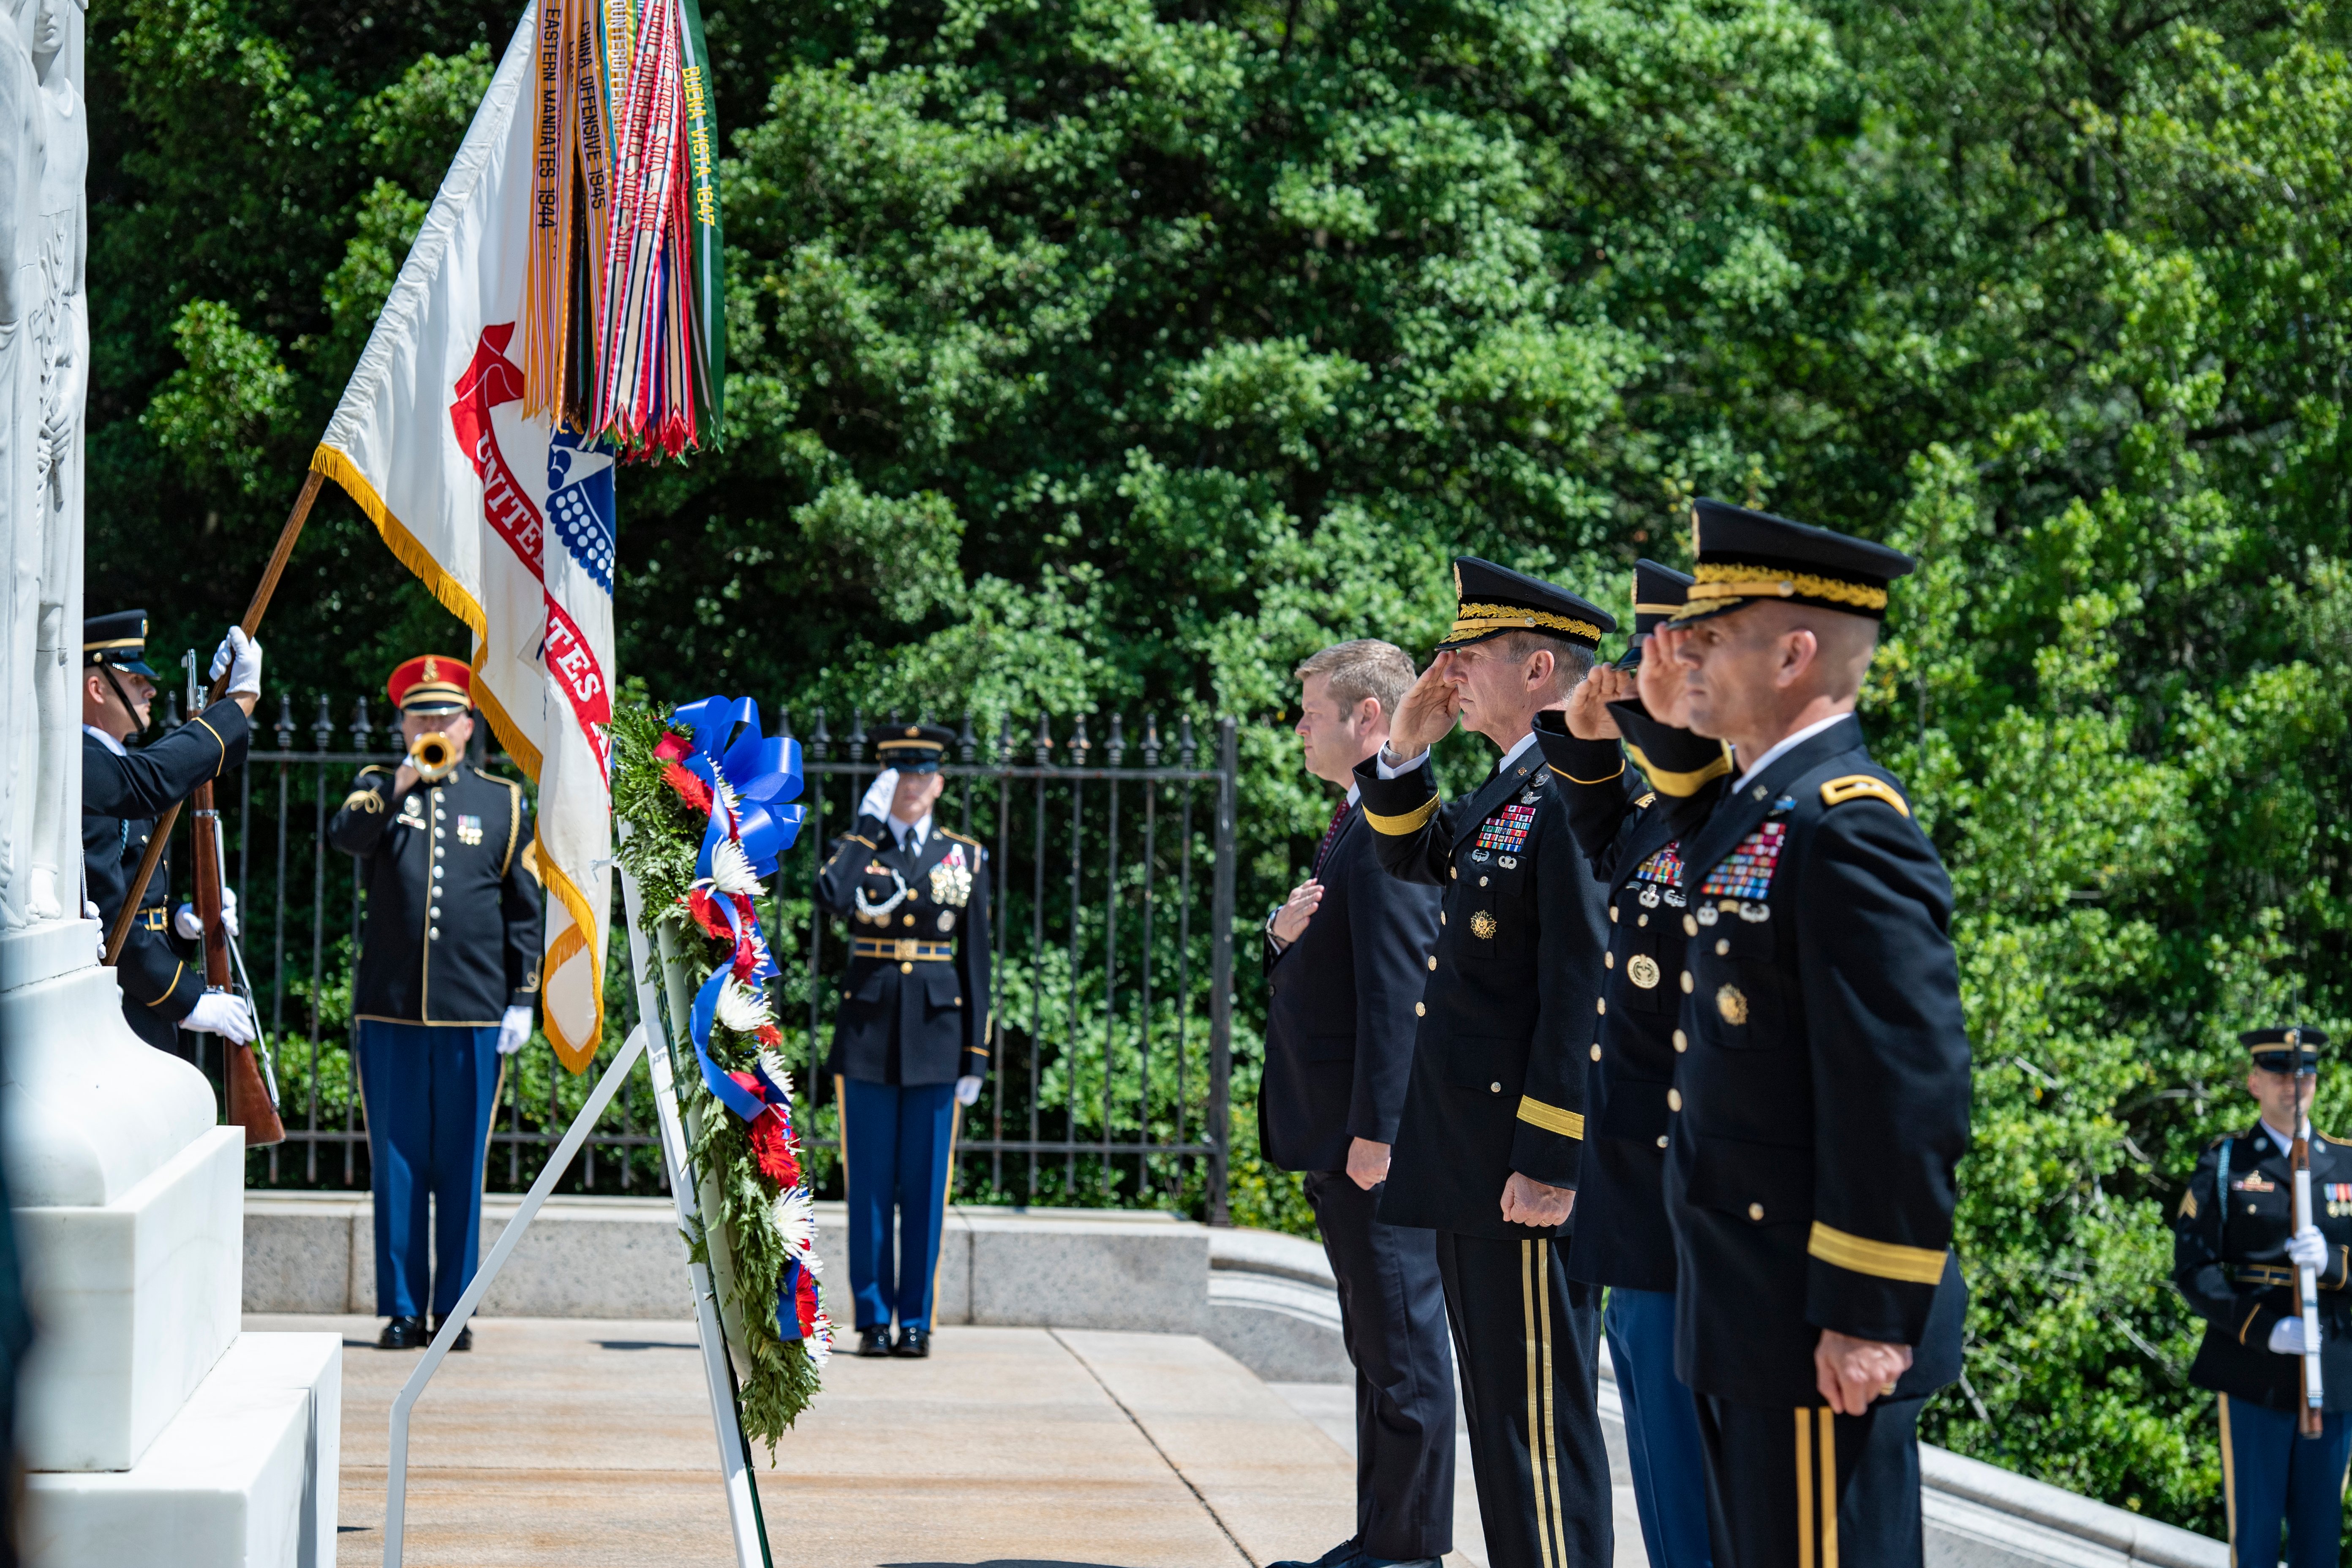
(2236,1252)
(448,981)
(1821,1106)
(1488,1144)
(1623,1240)
(912,1033)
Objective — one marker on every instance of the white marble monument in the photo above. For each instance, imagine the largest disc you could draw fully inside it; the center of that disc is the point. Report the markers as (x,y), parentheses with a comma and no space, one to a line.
(152,1429)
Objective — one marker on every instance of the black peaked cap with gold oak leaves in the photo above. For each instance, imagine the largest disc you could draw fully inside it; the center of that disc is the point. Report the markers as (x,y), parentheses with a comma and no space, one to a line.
(1492,601)
(1744,556)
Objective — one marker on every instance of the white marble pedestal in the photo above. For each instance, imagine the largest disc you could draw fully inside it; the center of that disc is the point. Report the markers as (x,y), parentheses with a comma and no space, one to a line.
(152,1429)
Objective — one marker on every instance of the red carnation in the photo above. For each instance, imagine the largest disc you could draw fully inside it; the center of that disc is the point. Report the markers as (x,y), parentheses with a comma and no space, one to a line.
(691,789)
(807,1303)
(771,1139)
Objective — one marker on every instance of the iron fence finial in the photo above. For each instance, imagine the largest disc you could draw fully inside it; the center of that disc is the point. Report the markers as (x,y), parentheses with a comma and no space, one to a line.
(966,746)
(322,727)
(362,733)
(1151,740)
(820,738)
(1044,738)
(285,725)
(1185,748)
(857,736)
(1114,749)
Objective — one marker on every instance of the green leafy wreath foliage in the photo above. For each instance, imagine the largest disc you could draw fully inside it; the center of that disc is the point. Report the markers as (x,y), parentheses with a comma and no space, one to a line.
(663,836)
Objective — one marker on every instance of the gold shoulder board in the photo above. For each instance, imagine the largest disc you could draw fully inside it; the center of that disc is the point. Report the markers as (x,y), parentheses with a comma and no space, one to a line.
(2331,1138)
(1861,786)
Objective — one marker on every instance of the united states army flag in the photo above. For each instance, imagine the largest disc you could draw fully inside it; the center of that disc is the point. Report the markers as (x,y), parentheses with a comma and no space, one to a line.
(508,520)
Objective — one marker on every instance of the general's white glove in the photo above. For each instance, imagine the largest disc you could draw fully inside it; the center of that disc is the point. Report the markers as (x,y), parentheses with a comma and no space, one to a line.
(221,1012)
(967,1090)
(90,909)
(2307,1248)
(2287,1336)
(880,794)
(241,657)
(514,1029)
(188,926)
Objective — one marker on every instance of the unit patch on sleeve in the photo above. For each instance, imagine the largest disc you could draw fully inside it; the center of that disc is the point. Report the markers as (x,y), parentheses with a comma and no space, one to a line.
(1506,830)
(1747,872)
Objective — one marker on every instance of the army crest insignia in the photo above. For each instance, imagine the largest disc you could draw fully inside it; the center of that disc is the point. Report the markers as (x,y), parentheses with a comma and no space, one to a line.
(1481,925)
(1643,971)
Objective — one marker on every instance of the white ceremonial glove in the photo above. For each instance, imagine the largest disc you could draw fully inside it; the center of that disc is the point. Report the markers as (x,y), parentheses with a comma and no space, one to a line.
(2306,1248)
(967,1090)
(90,909)
(221,1012)
(241,657)
(187,925)
(514,1030)
(2287,1336)
(880,794)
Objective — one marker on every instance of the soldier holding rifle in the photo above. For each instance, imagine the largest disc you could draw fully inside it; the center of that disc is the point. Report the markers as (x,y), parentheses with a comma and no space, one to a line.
(2237,1255)
(448,974)
(124,791)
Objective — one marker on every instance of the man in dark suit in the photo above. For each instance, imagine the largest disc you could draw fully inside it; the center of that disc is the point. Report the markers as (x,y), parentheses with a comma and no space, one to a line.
(911,1036)
(1821,1106)
(1345,960)
(1493,1129)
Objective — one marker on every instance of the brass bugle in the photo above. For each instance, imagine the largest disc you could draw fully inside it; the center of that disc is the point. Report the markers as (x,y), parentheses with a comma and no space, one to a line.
(434,755)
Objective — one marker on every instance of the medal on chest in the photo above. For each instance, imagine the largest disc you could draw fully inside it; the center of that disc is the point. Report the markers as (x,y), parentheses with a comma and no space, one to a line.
(1657,878)
(469,828)
(2339,1199)
(1505,832)
(951,881)
(1746,874)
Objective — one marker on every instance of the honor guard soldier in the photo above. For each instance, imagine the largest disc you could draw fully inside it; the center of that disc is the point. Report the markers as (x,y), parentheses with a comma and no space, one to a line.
(448,976)
(1821,1097)
(122,791)
(1622,1239)
(1487,1146)
(911,1035)
(2236,1256)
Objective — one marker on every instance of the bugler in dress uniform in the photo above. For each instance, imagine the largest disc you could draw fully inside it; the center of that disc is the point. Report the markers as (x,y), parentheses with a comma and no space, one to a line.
(1821,1106)
(911,1036)
(1510,1010)
(1623,1240)
(160,968)
(447,978)
(2234,1257)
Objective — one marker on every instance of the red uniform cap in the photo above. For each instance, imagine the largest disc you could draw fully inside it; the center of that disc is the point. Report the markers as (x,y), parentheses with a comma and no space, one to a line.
(431,683)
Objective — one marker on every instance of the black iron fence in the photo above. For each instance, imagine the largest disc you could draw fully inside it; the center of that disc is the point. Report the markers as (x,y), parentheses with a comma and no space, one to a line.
(1112,861)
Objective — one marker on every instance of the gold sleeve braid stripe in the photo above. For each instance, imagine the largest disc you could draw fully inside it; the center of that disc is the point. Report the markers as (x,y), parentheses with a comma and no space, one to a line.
(1881,1260)
(1551,1118)
(1411,822)
(1601,779)
(1727,580)
(1861,786)
(1472,620)
(215,735)
(1680,785)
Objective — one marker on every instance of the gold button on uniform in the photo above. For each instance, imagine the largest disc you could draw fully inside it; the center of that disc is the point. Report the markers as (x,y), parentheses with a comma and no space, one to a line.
(1421,1009)
(1755,1211)
(1682,1041)
(1674,1099)
(906,969)
(1596,1050)
(1722,946)
(1455,872)
(1613,914)
(1494,1088)
(1608,961)
(1687,983)
(910,921)
(1482,881)
(1432,960)
(1600,1003)
(1690,926)
(1441,916)
(1661,1140)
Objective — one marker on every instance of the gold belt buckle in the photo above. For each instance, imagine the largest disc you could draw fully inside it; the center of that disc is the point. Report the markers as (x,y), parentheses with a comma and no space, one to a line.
(904,949)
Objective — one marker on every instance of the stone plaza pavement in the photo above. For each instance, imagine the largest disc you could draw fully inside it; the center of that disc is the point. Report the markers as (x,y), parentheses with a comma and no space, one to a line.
(565,1442)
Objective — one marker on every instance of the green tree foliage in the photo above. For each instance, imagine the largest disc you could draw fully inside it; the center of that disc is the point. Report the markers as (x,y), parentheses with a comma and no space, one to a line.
(1099,355)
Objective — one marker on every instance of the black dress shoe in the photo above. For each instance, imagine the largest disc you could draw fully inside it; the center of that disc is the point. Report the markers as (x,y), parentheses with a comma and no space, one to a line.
(873,1341)
(465,1336)
(1340,1556)
(912,1342)
(402,1334)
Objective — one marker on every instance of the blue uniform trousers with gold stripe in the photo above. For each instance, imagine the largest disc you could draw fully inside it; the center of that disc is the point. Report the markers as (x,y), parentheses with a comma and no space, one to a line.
(430,1093)
(1526,1347)
(897,1144)
(2274,1480)
(1802,1487)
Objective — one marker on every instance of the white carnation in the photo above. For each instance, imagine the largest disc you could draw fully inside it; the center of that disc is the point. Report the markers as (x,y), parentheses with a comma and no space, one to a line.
(730,868)
(794,1216)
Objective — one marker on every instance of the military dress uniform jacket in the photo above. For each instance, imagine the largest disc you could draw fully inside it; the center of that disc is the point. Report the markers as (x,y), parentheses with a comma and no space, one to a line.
(1823,1106)
(915,1000)
(453,904)
(2228,1258)
(1622,1235)
(1511,1006)
(160,975)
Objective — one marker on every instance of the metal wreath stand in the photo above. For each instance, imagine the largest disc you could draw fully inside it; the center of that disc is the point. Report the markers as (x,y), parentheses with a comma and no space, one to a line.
(649,1039)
